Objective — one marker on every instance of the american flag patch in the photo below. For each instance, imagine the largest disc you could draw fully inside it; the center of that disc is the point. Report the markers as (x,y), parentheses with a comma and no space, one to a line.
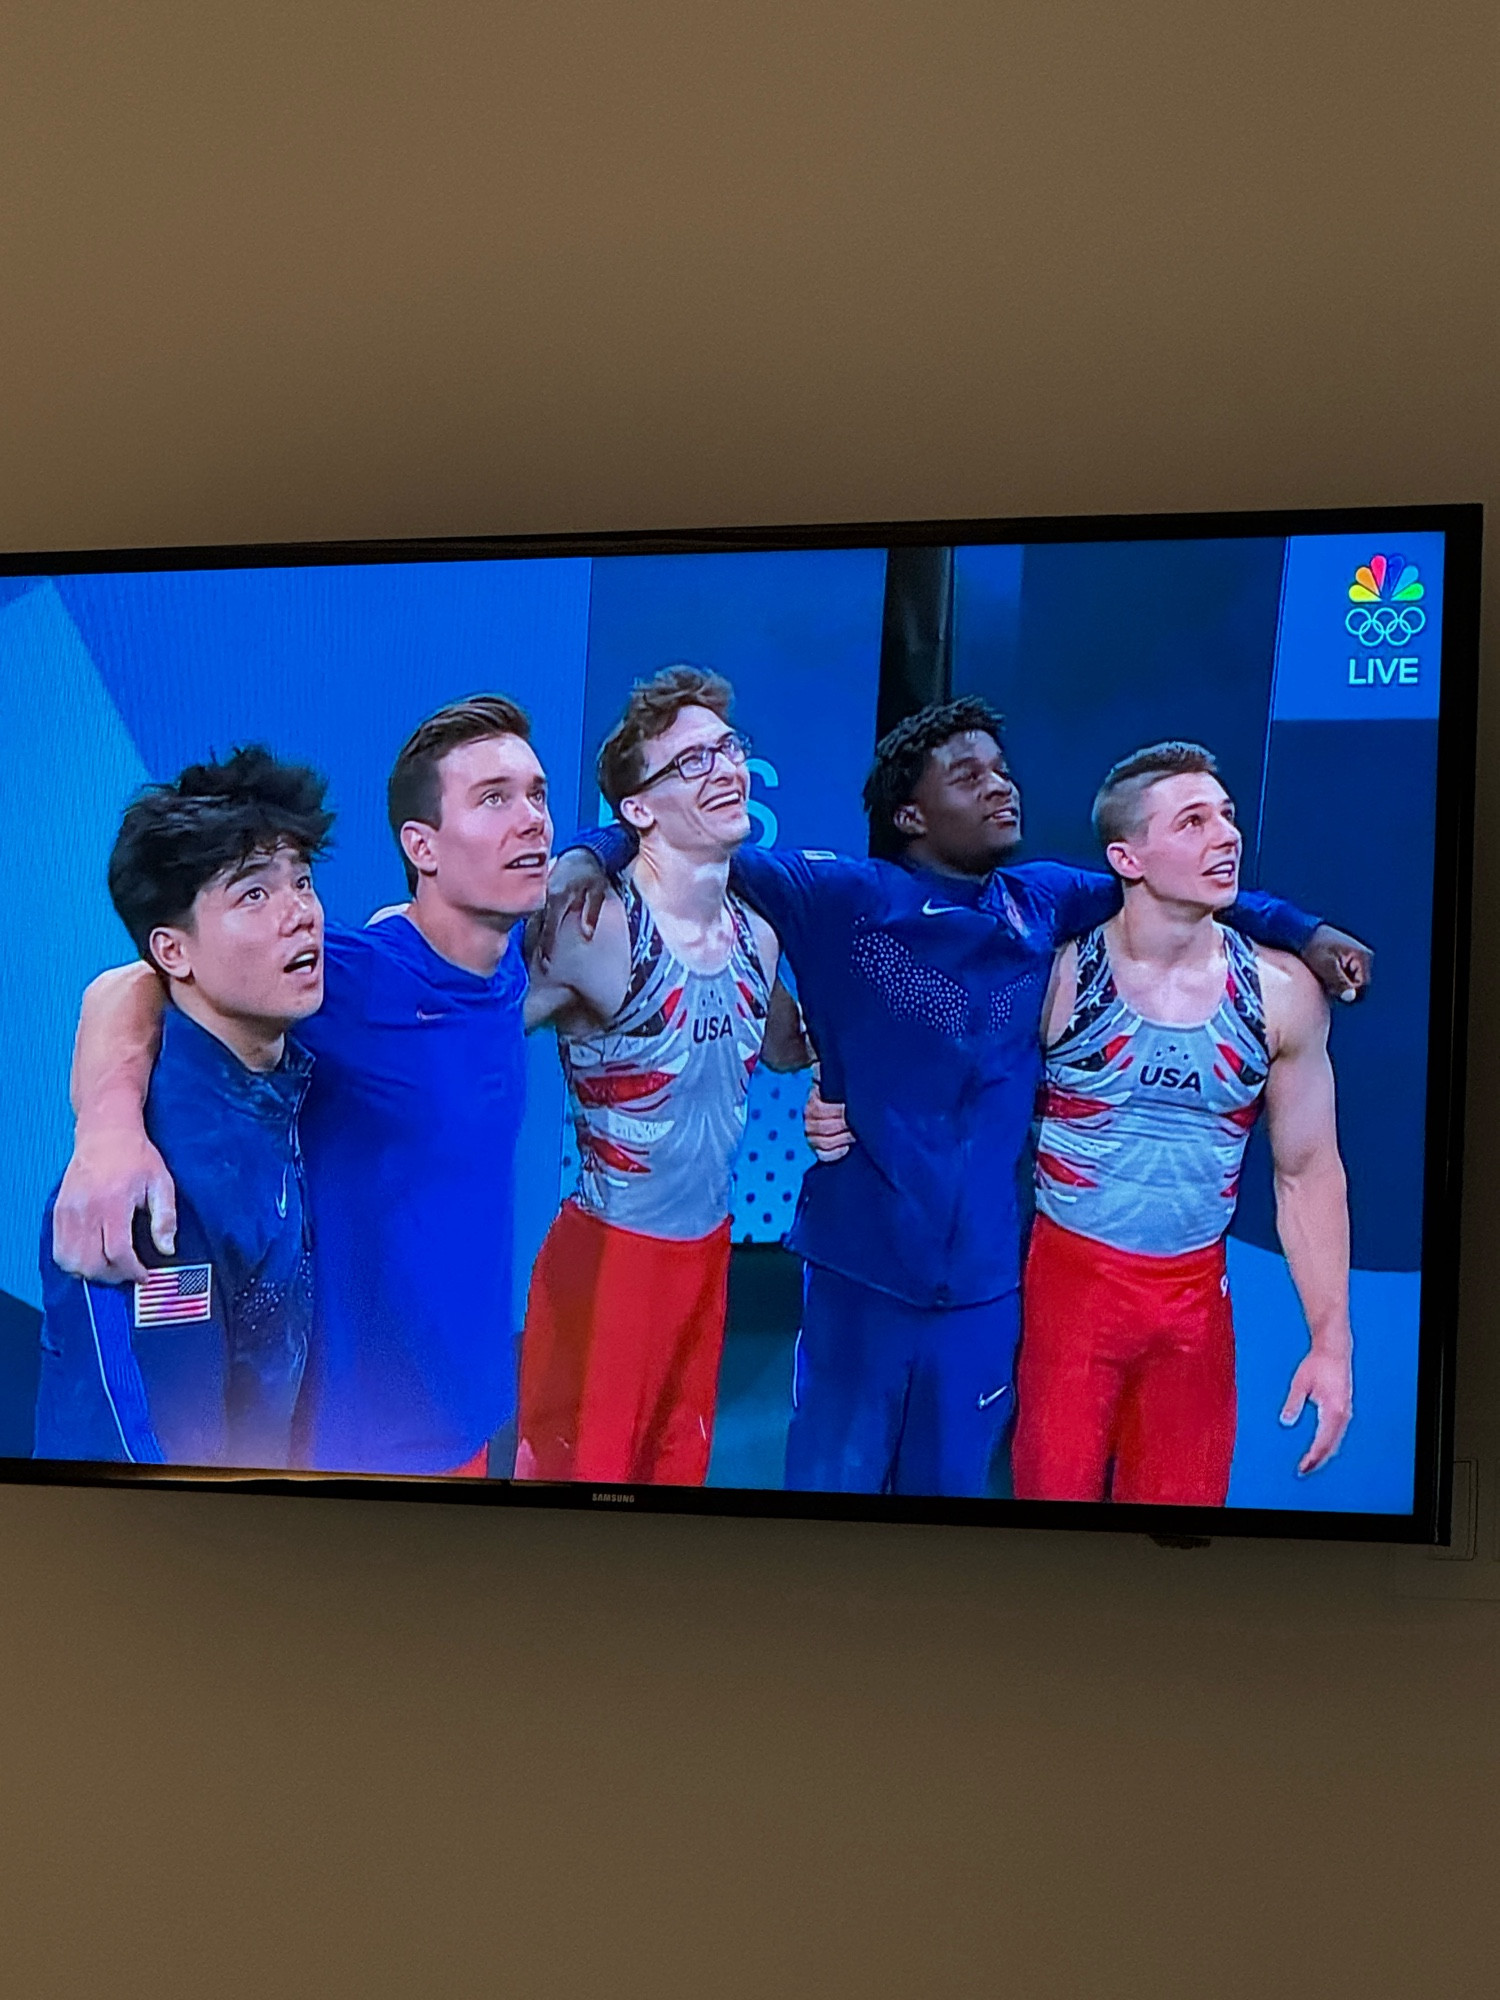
(180,1292)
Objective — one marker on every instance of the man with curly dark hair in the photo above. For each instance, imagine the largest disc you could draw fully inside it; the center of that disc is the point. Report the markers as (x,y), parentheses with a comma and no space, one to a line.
(201,1361)
(412,1122)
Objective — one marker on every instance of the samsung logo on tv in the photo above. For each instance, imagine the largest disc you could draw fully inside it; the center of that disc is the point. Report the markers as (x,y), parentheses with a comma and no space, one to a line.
(615,1499)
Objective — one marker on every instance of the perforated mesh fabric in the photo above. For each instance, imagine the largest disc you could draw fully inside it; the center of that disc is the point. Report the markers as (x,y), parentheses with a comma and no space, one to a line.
(773,1157)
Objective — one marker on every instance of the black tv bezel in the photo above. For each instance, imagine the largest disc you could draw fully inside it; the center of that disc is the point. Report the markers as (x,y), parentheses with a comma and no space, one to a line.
(1429,1521)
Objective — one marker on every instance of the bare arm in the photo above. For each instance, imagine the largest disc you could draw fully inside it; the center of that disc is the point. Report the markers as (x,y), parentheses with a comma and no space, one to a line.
(577,885)
(581,982)
(1312,1200)
(115,1170)
(786,1046)
(1062,991)
(1342,965)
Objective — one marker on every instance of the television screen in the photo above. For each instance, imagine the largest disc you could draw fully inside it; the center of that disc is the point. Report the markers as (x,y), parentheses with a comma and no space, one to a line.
(947,1021)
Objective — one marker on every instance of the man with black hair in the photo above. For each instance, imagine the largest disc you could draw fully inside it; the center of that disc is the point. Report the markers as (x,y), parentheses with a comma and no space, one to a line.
(412,1118)
(921,979)
(200,1361)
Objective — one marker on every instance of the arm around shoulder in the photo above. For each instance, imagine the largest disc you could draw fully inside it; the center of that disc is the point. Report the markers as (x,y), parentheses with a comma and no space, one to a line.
(581,977)
(119,1033)
(115,1170)
(801,892)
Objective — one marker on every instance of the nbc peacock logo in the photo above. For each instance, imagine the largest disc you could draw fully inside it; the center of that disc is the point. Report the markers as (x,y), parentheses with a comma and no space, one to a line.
(1385,602)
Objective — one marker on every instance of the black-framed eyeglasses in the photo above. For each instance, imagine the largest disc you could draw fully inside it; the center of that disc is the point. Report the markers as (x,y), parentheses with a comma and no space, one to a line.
(698,759)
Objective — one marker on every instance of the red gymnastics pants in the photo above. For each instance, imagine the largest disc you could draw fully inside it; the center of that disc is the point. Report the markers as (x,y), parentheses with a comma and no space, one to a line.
(620,1357)
(1125,1360)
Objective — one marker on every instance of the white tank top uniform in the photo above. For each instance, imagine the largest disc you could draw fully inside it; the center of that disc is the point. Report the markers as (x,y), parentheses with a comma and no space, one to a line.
(1144,1124)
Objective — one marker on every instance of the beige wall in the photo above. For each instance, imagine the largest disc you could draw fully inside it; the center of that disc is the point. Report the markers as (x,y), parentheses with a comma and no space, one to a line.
(343,268)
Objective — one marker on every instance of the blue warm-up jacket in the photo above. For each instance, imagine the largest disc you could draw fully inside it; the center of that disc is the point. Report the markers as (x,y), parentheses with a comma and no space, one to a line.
(923,993)
(210,1373)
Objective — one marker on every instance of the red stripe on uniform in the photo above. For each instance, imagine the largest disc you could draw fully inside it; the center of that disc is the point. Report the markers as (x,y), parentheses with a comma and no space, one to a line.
(620,1086)
(1070,1105)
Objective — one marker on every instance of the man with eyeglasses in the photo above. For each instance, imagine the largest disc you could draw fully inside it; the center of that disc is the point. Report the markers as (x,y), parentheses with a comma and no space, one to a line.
(661,1011)
(922,978)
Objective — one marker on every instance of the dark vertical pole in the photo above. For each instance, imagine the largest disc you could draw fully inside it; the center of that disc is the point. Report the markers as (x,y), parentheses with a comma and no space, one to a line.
(916,640)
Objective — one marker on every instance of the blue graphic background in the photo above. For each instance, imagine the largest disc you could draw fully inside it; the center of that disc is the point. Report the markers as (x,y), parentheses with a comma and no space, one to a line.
(1317,651)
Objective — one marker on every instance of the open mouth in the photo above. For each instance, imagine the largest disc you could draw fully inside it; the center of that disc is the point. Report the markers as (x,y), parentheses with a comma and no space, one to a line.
(1223,871)
(1004,816)
(304,961)
(527,864)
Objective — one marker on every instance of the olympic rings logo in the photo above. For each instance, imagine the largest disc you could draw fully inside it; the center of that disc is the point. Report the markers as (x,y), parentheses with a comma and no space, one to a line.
(1384,624)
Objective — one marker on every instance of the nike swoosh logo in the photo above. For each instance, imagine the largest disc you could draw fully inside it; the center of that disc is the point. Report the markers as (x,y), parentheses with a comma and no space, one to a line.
(994,1396)
(932,909)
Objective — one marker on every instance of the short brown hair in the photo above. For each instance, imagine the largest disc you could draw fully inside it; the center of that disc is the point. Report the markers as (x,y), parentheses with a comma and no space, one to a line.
(1118,813)
(415,790)
(653,707)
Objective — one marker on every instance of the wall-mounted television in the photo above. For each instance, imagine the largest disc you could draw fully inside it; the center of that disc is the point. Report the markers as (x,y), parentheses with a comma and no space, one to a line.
(953,1021)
